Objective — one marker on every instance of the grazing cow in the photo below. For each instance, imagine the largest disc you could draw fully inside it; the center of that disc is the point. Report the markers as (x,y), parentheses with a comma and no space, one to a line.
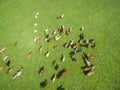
(68,31)
(57,37)
(14,44)
(92,41)
(2,67)
(60,17)
(5,58)
(3,49)
(37,39)
(90,73)
(9,70)
(66,45)
(94,46)
(29,55)
(82,28)
(90,57)
(46,33)
(41,71)
(63,73)
(41,48)
(35,31)
(60,88)
(56,66)
(89,68)
(73,58)
(53,78)
(17,74)
(82,36)
(35,24)
(87,62)
(43,83)
(54,33)
(89,45)
(63,58)
(47,54)
(55,47)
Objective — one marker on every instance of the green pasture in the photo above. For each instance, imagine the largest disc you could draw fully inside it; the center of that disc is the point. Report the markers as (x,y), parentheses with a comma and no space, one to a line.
(101,19)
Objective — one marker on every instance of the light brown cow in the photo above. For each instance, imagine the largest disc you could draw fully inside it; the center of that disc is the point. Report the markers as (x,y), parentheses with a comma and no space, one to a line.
(41,48)
(90,73)
(29,55)
(2,67)
(5,58)
(3,49)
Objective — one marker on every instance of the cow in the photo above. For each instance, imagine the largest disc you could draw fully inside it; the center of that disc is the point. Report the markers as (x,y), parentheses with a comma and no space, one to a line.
(35,24)
(14,44)
(60,17)
(41,48)
(17,74)
(29,55)
(53,78)
(63,58)
(35,31)
(3,49)
(82,28)
(55,47)
(87,62)
(57,37)
(2,67)
(55,64)
(41,71)
(90,73)
(68,31)
(47,54)
(63,73)
(90,57)
(66,45)
(5,58)
(89,68)
(9,70)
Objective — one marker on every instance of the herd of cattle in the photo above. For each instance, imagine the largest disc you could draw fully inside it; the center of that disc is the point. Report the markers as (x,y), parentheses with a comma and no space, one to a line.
(76,47)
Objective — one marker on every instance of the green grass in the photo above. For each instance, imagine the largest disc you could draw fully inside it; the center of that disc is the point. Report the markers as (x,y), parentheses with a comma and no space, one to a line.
(101,20)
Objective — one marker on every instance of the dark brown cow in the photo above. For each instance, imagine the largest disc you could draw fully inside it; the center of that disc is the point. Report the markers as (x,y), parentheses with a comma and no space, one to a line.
(29,55)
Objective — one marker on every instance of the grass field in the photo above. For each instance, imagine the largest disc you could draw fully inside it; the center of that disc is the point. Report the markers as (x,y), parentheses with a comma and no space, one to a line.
(101,19)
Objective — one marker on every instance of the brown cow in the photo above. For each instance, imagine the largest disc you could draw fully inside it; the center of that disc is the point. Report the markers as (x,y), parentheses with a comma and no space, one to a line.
(90,57)
(60,17)
(55,47)
(2,67)
(41,48)
(14,44)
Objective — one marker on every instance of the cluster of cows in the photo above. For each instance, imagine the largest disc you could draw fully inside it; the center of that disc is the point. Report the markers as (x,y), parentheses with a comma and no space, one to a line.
(76,47)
